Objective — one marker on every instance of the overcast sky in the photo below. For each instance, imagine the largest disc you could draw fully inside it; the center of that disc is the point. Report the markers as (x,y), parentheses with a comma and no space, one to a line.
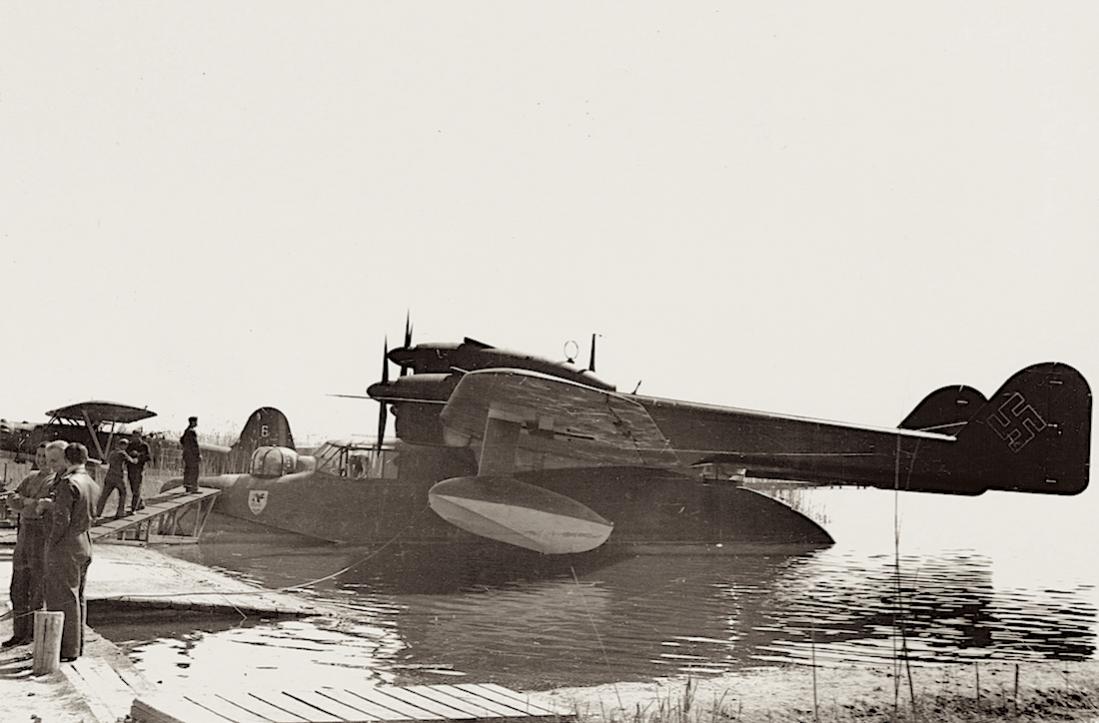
(827,209)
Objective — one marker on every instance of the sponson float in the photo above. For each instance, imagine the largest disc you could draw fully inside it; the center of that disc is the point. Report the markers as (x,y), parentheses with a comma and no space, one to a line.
(542,455)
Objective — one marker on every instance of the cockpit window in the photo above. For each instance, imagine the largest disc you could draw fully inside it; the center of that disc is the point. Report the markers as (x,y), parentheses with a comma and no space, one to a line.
(355,461)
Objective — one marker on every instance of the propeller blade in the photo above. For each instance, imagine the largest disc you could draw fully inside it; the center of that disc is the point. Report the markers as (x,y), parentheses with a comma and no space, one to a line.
(383,415)
(407,337)
(385,361)
(591,360)
(383,412)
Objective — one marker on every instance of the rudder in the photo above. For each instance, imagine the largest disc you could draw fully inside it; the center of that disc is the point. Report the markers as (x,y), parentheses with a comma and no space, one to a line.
(1033,435)
(266,427)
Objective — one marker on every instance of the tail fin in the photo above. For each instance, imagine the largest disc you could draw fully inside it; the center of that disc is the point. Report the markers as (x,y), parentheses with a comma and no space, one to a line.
(1033,435)
(266,427)
(945,410)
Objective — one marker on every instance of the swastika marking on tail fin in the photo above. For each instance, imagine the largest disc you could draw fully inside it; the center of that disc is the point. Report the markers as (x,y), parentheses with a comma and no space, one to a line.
(1016,422)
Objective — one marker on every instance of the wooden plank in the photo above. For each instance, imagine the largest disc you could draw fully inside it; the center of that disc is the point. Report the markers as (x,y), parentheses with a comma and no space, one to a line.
(439,709)
(86,689)
(387,699)
(369,708)
(332,707)
(497,708)
(259,707)
(466,706)
(134,681)
(523,705)
(523,698)
(105,686)
(227,709)
(160,708)
(366,710)
(290,705)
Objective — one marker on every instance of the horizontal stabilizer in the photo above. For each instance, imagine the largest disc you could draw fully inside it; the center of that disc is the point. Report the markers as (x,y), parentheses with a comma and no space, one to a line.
(503,508)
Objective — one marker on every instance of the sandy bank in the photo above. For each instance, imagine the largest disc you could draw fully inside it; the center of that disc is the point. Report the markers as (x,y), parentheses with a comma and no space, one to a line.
(1046,691)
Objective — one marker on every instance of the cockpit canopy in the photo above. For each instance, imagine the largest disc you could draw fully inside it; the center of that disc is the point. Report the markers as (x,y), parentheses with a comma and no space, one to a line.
(355,459)
(278,461)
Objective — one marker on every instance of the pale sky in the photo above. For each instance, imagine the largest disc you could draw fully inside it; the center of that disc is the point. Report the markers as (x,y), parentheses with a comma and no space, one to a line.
(826,209)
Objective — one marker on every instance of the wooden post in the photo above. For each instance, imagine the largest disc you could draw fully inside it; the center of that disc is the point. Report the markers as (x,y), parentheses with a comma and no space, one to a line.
(47,641)
(1015,695)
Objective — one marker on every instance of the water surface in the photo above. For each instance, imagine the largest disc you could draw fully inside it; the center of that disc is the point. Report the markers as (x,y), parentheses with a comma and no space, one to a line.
(1000,576)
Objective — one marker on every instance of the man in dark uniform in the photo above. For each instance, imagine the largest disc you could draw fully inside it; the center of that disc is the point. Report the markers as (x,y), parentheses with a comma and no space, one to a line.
(116,468)
(135,471)
(29,558)
(69,546)
(192,457)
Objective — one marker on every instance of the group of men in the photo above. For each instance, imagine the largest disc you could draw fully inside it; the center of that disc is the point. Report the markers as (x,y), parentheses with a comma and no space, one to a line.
(53,548)
(128,460)
(57,505)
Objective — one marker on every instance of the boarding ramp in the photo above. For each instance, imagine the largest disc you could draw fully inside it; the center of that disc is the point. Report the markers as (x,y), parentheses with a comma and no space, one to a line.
(177,516)
(174,517)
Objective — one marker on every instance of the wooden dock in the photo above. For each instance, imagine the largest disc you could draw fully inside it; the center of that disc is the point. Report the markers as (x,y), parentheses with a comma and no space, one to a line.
(462,702)
(98,687)
(131,576)
(175,516)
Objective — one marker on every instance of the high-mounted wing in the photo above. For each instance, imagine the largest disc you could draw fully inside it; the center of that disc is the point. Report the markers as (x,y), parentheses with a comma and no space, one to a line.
(568,424)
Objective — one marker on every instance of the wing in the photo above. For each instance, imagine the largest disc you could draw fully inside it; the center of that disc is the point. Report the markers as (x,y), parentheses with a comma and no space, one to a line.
(559,422)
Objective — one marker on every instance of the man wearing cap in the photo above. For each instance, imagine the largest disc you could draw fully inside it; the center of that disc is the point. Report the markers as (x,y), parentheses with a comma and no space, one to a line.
(116,468)
(29,557)
(135,471)
(68,543)
(192,457)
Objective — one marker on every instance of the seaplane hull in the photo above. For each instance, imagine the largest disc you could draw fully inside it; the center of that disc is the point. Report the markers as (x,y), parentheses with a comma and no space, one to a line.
(550,512)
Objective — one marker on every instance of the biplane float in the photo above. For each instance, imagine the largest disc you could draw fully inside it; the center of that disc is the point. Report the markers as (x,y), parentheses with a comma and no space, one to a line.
(546,456)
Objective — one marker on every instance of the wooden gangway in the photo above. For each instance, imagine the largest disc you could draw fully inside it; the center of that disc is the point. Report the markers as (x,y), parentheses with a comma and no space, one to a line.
(466,702)
(174,514)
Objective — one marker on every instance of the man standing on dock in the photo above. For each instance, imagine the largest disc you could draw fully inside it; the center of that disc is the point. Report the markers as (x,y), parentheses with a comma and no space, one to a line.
(117,461)
(69,544)
(135,471)
(192,457)
(29,558)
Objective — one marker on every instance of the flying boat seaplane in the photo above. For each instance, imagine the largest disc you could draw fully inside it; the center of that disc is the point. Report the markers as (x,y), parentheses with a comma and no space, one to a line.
(539,454)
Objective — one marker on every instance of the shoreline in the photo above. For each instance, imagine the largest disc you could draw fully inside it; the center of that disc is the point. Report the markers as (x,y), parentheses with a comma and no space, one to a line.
(1053,691)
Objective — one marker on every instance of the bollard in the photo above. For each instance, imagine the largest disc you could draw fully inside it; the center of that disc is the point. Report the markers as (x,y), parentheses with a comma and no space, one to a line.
(47,641)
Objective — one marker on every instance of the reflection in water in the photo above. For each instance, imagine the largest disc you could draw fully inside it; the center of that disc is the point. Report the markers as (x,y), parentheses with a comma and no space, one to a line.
(416,614)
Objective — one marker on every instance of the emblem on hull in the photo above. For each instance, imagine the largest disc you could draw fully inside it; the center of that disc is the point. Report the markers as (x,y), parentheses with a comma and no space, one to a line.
(257,500)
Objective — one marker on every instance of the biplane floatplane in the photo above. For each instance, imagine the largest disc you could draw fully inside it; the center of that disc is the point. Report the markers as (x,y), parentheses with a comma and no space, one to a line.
(546,456)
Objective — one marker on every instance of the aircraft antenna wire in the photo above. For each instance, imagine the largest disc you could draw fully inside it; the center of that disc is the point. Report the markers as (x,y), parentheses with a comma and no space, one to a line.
(898,617)
(595,629)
